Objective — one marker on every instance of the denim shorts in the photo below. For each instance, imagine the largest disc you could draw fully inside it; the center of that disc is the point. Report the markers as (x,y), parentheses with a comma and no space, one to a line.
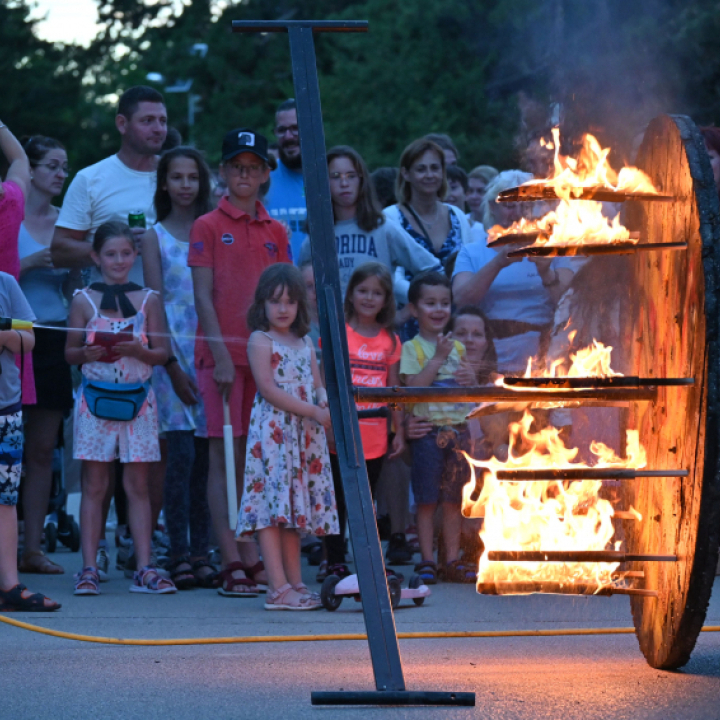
(11,448)
(439,470)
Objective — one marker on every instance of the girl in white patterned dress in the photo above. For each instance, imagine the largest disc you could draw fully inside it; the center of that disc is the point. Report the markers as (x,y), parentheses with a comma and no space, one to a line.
(182,195)
(288,487)
(112,307)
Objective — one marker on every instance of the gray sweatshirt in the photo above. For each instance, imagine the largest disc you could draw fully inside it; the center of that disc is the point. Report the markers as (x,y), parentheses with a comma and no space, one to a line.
(388,244)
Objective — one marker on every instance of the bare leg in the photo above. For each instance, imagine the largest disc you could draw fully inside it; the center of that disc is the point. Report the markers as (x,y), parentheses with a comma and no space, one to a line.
(8,547)
(271,543)
(425,515)
(109,493)
(95,481)
(452,520)
(41,434)
(156,482)
(136,488)
(290,539)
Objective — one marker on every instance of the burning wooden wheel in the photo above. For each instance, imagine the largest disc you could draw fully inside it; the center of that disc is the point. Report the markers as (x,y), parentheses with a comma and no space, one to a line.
(673,330)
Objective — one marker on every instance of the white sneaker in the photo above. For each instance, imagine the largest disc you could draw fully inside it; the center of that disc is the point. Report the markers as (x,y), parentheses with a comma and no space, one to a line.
(101,562)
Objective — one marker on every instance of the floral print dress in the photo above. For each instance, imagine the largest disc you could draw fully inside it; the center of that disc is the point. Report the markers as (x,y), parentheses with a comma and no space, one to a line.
(288,481)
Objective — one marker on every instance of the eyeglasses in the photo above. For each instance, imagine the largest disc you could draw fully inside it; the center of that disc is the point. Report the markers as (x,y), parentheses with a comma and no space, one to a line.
(285,129)
(53,167)
(343,176)
(250,170)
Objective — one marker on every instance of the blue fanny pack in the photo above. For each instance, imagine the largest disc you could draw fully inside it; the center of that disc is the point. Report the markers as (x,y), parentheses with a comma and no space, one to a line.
(113,401)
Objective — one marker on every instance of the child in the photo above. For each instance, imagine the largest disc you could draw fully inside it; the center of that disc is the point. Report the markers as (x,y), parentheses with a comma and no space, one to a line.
(362,233)
(182,195)
(229,249)
(288,485)
(13,595)
(107,310)
(308,275)
(438,473)
(374,362)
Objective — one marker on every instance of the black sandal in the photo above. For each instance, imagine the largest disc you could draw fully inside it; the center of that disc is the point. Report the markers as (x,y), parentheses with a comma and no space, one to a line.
(458,571)
(208,580)
(427,570)
(183,579)
(13,601)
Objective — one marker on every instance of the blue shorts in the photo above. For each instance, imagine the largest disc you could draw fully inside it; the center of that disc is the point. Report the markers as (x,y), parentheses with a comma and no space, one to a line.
(439,470)
(11,447)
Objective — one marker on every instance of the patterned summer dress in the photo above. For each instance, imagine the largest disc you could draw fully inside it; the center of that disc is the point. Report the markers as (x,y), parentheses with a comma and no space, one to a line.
(106,440)
(182,323)
(288,481)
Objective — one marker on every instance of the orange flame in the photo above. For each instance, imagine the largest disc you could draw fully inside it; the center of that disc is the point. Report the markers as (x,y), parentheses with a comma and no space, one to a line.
(549,515)
(577,222)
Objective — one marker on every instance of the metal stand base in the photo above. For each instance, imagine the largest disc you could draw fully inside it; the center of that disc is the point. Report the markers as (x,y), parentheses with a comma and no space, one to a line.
(394,697)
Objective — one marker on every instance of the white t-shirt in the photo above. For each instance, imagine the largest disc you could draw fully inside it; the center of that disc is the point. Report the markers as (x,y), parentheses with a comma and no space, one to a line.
(108,190)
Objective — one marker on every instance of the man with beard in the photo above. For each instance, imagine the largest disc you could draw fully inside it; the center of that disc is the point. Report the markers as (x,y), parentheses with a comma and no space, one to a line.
(121,184)
(285,200)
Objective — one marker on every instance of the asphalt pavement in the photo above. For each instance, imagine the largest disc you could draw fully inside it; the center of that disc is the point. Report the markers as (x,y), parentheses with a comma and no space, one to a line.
(540,677)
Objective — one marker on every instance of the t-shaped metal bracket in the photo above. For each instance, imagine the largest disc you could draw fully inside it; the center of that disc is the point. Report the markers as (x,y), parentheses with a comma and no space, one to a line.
(377,611)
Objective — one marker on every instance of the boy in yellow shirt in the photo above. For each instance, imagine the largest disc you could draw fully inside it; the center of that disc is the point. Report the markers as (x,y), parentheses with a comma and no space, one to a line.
(438,469)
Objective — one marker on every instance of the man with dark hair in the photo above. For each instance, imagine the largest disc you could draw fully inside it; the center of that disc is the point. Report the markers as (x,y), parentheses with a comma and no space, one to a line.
(112,189)
(285,200)
(116,186)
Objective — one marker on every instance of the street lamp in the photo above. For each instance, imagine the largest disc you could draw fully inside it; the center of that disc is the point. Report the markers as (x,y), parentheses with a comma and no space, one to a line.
(184,86)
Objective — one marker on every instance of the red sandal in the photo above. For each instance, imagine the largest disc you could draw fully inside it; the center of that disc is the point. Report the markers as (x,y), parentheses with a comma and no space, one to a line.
(254,570)
(236,587)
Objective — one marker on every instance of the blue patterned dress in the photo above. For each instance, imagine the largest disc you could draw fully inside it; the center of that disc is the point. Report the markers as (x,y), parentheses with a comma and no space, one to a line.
(182,323)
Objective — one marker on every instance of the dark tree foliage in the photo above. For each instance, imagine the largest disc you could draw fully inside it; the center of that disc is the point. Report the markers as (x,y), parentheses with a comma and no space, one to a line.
(454,66)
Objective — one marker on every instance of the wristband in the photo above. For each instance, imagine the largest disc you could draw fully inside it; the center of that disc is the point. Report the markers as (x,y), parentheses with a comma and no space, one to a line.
(172,359)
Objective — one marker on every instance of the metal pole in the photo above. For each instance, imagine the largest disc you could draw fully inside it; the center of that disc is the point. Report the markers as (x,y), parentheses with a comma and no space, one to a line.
(377,611)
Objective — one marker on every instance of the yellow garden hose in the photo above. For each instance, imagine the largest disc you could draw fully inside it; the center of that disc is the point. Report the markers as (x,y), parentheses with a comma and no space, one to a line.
(324,638)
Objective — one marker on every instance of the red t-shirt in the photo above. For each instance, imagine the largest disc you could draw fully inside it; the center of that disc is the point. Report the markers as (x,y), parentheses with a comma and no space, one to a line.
(370,361)
(238,248)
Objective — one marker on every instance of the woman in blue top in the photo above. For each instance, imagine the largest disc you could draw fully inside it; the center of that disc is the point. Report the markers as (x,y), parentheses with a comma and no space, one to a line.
(44,287)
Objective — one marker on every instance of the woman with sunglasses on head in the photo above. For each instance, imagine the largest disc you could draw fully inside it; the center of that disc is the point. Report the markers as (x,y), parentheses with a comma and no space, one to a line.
(44,287)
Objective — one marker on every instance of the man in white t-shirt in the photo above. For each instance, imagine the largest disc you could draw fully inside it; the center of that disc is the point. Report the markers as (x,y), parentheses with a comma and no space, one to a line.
(110,190)
(117,186)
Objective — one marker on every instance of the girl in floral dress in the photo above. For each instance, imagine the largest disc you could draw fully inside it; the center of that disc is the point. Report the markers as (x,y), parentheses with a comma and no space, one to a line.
(288,487)
(103,310)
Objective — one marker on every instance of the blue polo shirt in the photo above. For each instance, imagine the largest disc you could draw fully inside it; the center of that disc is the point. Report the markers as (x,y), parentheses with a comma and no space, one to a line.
(286,201)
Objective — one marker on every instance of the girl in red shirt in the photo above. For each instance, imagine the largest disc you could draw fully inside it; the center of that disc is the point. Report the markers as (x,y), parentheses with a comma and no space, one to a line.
(374,362)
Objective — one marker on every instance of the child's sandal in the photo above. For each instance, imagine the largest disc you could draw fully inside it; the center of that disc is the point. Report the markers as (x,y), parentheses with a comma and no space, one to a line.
(428,571)
(236,587)
(282,599)
(303,589)
(148,581)
(458,571)
(87,582)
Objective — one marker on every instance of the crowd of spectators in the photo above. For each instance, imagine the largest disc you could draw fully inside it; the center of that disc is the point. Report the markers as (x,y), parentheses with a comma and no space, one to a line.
(426,302)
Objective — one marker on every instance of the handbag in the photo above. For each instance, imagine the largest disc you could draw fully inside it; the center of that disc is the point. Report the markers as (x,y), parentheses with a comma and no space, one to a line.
(114,401)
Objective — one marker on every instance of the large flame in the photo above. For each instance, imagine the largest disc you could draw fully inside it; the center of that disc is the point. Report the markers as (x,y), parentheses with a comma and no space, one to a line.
(578,222)
(548,515)
(545,515)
